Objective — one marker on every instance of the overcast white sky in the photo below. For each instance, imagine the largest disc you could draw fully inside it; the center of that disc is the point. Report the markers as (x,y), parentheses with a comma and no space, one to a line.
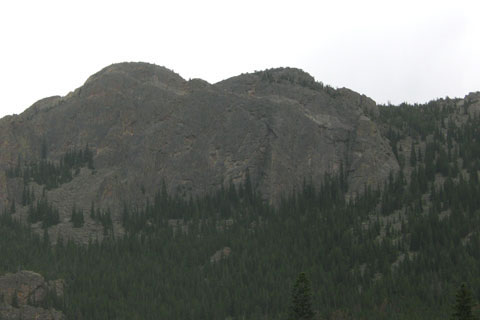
(394,51)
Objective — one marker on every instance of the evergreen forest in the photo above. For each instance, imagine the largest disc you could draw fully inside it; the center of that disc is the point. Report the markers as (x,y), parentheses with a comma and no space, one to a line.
(395,251)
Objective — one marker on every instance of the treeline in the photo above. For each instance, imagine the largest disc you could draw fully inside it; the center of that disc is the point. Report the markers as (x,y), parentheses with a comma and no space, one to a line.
(416,121)
(102,216)
(52,174)
(348,252)
(43,211)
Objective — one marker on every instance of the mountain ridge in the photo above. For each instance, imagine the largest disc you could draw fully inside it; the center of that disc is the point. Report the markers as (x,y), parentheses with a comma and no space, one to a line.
(147,125)
(378,204)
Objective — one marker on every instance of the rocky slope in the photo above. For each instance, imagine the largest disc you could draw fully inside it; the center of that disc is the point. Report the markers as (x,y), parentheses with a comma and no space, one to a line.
(145,125)
(22,294)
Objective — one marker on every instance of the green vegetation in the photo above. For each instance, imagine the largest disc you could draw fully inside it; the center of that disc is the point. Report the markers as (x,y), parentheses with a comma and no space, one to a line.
(463,309)
(104,217)
(43,211)
(77,217)
(398,251)
(51,174)
(301,308)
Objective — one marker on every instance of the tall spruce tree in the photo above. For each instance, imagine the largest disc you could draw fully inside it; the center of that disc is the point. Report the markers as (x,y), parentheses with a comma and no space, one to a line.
(413,156)
(301,308)
(463,305)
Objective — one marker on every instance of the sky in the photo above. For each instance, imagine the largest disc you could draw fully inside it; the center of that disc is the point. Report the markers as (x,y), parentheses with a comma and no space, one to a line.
(391,51)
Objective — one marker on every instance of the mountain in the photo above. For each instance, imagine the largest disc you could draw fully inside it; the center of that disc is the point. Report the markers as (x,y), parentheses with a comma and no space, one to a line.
(146,126)
(153,197)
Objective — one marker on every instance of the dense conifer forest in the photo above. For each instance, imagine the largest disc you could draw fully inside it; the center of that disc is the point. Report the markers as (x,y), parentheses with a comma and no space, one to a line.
(395,251)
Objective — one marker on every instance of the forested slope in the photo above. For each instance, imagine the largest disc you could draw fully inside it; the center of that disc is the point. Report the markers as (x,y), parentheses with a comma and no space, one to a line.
(397,251)
(392,249)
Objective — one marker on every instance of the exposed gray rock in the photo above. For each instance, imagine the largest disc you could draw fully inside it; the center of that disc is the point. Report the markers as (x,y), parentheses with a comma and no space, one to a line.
(146,125)
(21,294)
(27,312)
(220,254)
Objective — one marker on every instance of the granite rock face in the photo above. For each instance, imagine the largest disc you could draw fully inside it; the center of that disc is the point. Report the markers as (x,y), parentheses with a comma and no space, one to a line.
(22,294)
(145,125)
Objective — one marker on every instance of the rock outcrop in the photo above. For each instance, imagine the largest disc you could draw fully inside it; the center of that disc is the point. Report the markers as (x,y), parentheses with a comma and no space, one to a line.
(23,293)
(220,254)
(145,125)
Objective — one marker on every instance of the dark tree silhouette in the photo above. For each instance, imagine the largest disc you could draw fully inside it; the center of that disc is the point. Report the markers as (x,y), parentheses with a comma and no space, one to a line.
(463,305)
(301,308)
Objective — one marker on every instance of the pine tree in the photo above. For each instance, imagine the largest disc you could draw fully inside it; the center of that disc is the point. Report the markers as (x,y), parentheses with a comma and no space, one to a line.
(12,208)
(413,157)
(25,196)
(464,304)
(44,149)
(15,300)
(92,211)
(77,218)
(301,308)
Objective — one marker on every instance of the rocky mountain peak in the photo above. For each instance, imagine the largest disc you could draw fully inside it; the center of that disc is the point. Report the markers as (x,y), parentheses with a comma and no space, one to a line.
(291,77)
(130,78)
(287,75)
(140,71)
(145,125)
(473,96)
